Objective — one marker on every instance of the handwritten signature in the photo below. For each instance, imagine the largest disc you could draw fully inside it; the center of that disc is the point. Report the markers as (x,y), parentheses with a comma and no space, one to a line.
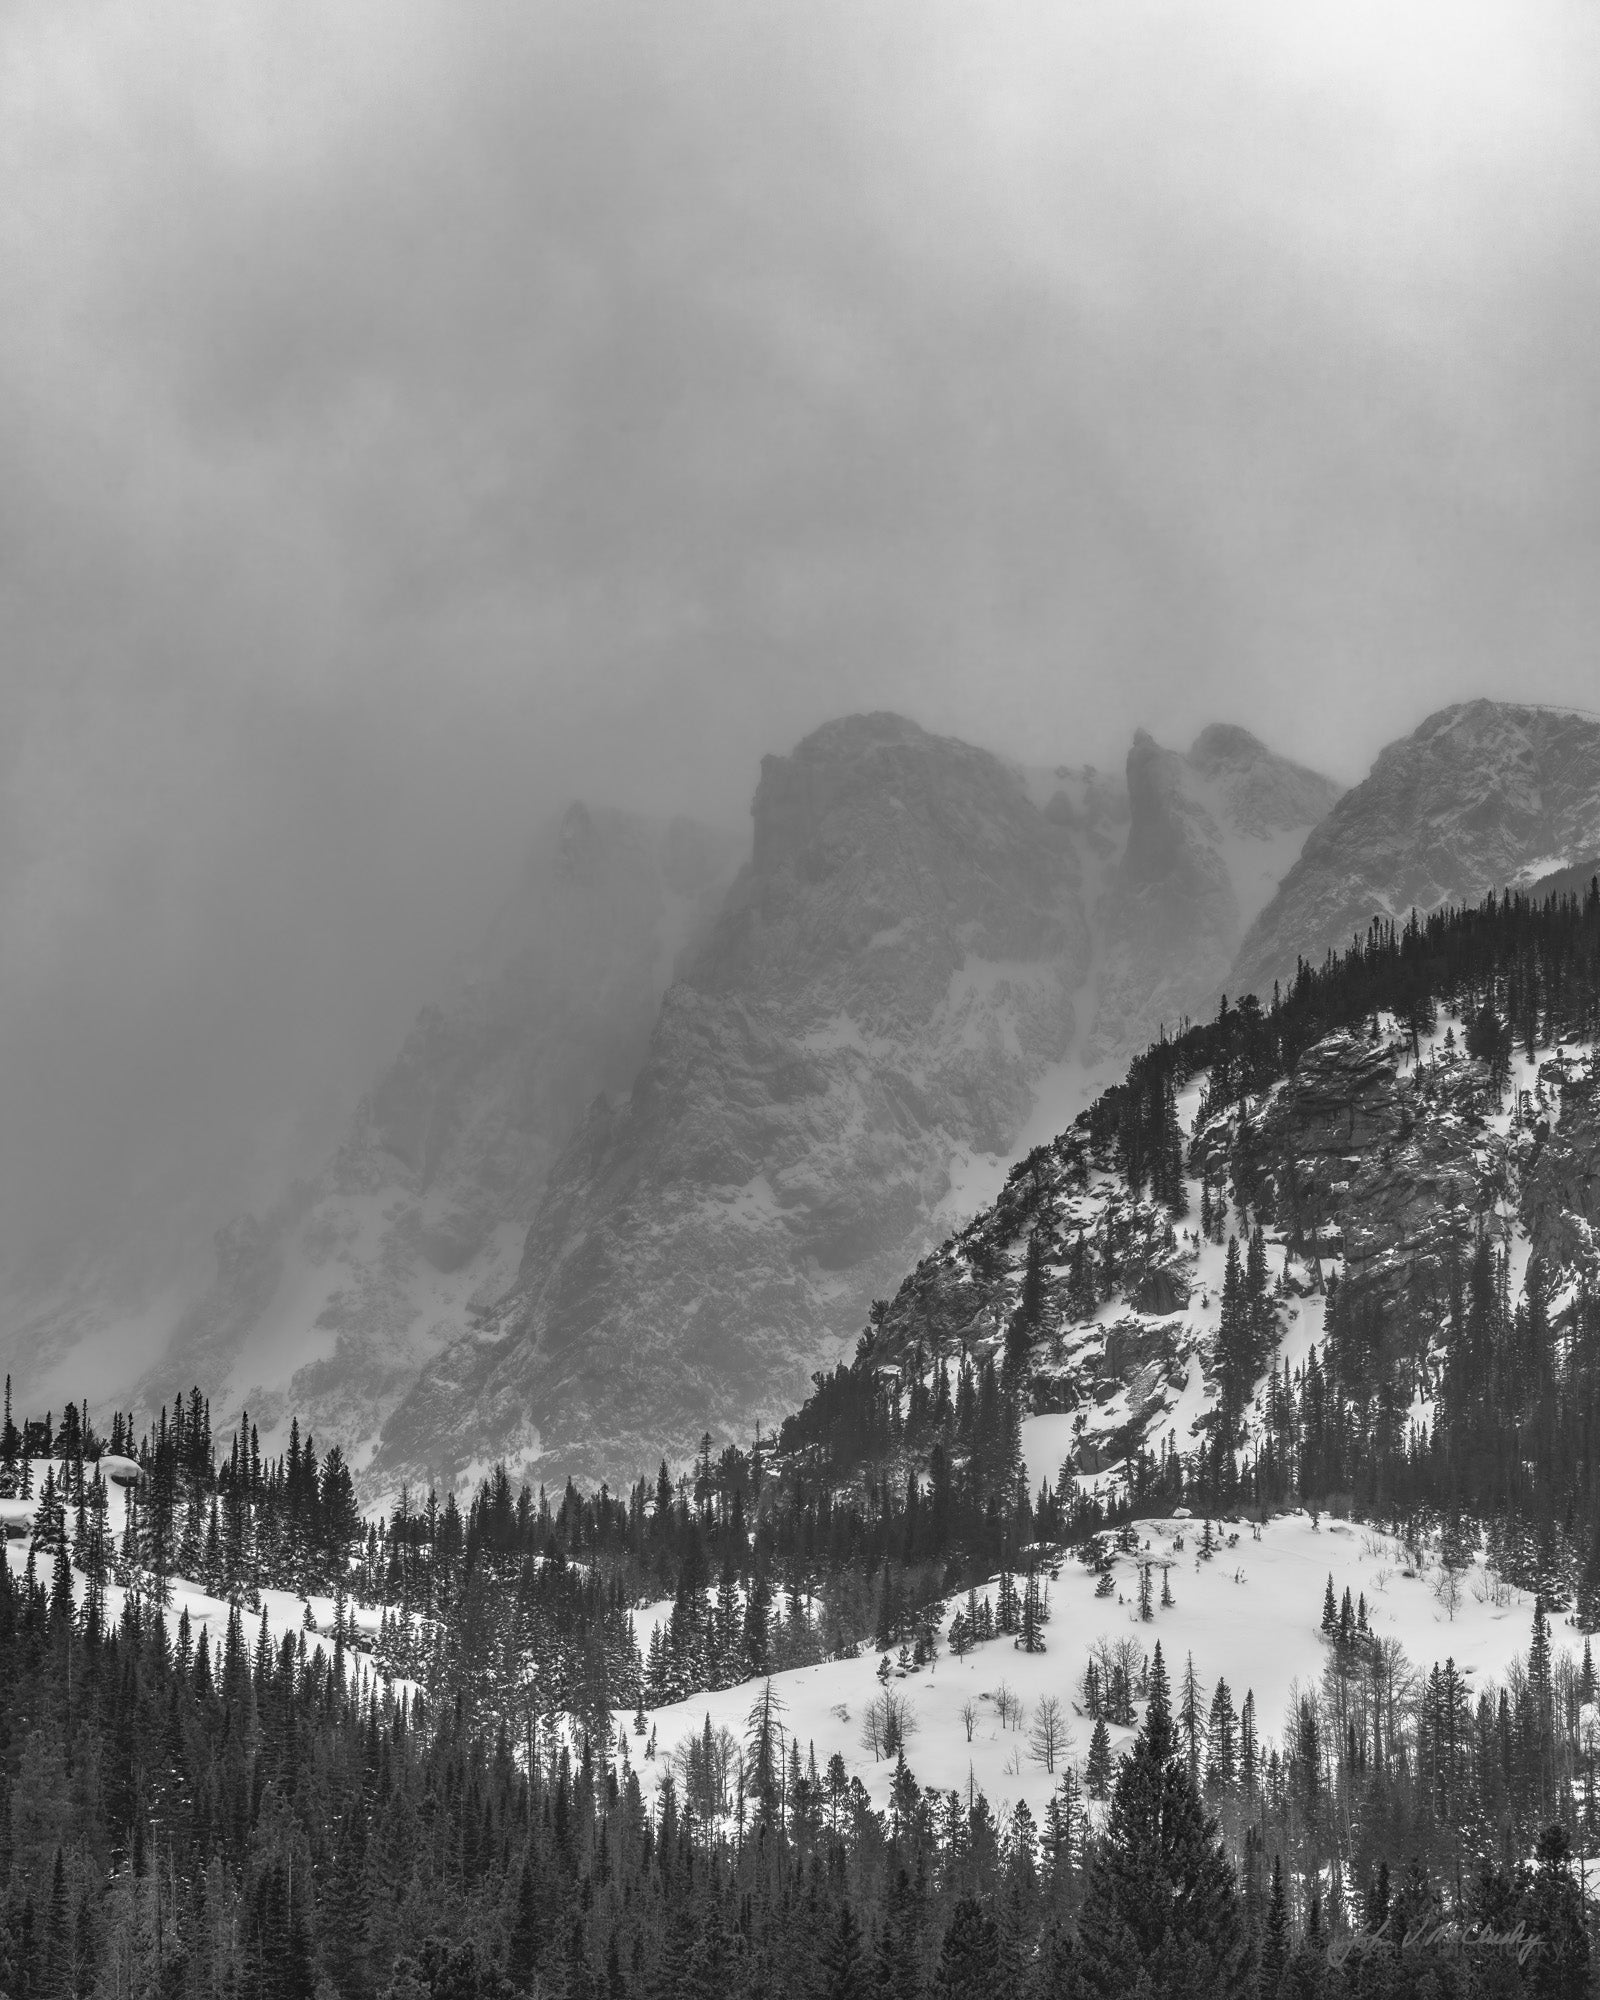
(1432,1929)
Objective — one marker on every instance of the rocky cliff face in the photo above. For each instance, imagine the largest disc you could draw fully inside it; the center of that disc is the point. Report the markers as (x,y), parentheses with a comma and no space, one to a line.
(912,953)
(1390,1170)
(333,1301)
(1480,797)
(892,970)
(1561,1184)
(596,1212)
(1212,833)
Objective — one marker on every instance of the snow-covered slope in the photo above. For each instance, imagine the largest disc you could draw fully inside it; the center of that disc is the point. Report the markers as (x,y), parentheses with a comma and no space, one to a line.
(1400,1146)
(286,1613)
(1401,1156)
(1248,1614)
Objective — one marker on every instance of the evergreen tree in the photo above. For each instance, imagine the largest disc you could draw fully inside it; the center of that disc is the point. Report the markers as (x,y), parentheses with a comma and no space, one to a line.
(1555,1916)
(1097,1766)
(1275,1938)
(844,1963)
(969,1954)
(1161,1903)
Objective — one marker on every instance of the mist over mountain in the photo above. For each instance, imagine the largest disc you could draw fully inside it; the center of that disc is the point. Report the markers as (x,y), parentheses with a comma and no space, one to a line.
(1211,834)
(1480,796)
(698,1099)
(930,953)
(355,1275)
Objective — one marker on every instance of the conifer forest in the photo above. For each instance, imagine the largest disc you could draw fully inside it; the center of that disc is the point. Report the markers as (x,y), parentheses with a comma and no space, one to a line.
(451,1784)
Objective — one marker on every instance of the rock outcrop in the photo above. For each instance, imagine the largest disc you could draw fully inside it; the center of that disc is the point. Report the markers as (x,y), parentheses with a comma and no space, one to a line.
(1483,796)
(1211,834)
(647,1163)
(891,973)
(1561,1184)
(910,952)
(1397,1170)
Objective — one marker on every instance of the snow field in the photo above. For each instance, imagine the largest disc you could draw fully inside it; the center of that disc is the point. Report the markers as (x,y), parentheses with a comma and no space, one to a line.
(1249,1615)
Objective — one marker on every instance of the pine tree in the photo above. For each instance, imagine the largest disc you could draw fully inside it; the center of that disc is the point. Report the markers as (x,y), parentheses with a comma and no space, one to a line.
(1555,1915)
(1275,1938)
(1097,1767)
(969,1955)
(1161,1903)
(1222,1742)
(1191,1728)
(1034,1613)
(10,1452)
(844,1961)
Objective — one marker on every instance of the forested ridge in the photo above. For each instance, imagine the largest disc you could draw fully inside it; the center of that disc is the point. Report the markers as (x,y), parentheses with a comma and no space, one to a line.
(254,1816)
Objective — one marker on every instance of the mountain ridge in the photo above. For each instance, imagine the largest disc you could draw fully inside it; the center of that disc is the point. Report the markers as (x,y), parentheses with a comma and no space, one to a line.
(1480,795)
(915,948)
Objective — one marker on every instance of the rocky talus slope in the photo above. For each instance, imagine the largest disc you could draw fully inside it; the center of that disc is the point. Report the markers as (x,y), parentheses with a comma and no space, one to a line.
(1481,796)
(913,953)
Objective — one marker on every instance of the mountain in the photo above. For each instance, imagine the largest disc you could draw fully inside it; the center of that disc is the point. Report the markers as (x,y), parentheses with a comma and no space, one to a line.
(1211,834)
(336,1297)
(929,952)
(1405,1154)
(930,959)
(1271,1384)
(1479,797)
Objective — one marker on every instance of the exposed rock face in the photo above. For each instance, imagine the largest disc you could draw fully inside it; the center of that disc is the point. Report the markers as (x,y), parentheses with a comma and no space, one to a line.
(1561,1185)
(1480,797)
(890,974)
(906,956)
(1396,1168)
(334,1300)
(1211,835)
(930,960)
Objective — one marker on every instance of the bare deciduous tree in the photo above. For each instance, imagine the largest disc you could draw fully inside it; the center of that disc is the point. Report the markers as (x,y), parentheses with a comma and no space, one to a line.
(1049,1738)
(705,1761)
(888,1723)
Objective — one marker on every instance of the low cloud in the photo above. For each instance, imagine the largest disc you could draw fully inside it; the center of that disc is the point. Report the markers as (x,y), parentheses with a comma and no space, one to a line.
(411,417)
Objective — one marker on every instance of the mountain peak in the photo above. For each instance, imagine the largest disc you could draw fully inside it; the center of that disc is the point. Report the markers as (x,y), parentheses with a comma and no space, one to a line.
(1478,796)
(858,734)
(1225,743)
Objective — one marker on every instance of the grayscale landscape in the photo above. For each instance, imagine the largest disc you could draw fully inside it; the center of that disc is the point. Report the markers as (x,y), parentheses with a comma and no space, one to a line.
(799,1001)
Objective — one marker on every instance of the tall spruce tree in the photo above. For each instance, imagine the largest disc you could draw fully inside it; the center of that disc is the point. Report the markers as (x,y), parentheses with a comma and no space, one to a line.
(969,1955)
(1161,1903)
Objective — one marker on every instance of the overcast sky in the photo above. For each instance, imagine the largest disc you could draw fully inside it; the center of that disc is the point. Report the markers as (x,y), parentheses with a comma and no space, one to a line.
(411,416)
